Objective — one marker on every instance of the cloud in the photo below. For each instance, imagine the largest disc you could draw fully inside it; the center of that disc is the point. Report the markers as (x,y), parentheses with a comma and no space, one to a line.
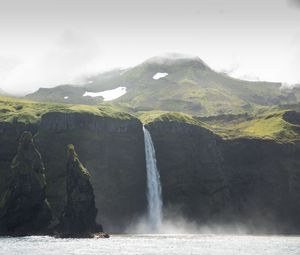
(238,71)
(73,55)
(69,57)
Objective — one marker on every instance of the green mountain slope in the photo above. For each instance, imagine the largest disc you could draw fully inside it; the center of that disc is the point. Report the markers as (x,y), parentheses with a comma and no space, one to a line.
(190,86)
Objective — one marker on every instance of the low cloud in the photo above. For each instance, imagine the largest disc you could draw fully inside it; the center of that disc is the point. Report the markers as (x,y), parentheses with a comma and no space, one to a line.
(236,70)
(70,57)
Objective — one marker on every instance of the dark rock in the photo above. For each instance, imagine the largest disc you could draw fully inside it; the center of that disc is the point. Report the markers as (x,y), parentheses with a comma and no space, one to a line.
(189,162)
(292,117)
(10,134)
(79,216)
(264,181)
(24,209)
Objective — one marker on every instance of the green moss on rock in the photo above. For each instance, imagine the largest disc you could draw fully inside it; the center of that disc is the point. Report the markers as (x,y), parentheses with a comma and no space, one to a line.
(74,157)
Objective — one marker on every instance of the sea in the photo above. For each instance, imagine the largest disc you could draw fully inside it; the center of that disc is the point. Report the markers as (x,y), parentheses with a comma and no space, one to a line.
(184,244)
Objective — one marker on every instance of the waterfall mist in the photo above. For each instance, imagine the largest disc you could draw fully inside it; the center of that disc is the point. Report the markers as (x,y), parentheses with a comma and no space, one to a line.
(153,185)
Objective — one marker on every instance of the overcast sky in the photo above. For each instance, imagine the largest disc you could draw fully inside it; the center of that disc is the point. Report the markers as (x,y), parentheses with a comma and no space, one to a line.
(47,42)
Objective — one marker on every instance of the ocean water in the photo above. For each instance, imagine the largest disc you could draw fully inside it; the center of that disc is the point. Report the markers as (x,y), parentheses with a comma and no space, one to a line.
(154,244)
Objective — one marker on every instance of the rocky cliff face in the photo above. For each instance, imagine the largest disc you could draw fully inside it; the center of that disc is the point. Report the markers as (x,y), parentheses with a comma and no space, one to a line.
(112,150)
(193,180)
(251,182)
(264,181)
(254,182)
(23,206)
(79,215)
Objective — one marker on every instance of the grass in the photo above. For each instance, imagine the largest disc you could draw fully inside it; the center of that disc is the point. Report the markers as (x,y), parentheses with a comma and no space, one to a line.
(76,160)
(20,110)
(154,116)
(266,124)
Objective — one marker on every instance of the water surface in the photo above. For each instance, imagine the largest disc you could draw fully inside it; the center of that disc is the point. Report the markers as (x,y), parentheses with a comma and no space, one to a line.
(154,244)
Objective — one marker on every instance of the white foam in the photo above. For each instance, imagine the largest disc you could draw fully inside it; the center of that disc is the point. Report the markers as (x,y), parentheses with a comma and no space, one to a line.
(158,76)
(107,95)
(66,97)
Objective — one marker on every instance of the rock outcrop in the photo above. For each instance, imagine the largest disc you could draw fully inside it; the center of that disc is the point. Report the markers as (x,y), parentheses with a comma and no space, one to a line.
(79,216)
(10,133)
(24,209)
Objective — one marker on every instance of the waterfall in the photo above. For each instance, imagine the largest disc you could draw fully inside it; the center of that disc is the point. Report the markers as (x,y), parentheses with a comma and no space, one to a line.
(153,185)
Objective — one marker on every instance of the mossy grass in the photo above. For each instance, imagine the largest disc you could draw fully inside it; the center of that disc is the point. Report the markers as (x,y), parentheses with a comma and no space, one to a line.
(266,124)
(74,157)
(20,110)
(154,116)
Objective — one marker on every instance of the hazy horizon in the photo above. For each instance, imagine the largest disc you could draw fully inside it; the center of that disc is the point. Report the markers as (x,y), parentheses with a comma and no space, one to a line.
(47,43)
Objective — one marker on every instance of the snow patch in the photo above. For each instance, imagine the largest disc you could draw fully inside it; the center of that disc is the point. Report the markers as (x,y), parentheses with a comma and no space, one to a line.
(66,97)
(158,76)
(107,95)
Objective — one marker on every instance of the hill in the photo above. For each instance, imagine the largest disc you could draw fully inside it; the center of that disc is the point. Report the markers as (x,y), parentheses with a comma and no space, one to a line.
(172,84)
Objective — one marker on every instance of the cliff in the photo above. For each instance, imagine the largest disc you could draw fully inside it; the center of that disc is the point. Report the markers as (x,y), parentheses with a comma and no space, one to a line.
(264,183)
(243,169)
(248,182)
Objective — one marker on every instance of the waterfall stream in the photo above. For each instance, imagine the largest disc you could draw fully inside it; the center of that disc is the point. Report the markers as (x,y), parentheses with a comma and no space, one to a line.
(153,185)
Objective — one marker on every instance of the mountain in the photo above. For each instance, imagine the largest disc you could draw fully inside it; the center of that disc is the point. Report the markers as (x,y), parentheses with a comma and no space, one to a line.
(173,83)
